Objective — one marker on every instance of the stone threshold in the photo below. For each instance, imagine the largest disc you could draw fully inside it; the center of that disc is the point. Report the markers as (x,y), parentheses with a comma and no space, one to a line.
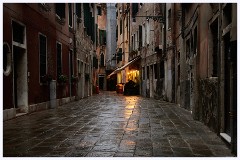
(20,114)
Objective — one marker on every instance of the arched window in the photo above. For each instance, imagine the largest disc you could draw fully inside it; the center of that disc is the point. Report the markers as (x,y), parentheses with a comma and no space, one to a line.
(102,60)
(7,58)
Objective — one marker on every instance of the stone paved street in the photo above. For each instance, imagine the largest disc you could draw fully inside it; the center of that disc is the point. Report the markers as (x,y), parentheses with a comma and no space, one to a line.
(111,125)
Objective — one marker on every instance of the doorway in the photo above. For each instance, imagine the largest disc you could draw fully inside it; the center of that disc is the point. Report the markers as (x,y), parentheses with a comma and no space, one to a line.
(227,86)
(101,82)
(20,80)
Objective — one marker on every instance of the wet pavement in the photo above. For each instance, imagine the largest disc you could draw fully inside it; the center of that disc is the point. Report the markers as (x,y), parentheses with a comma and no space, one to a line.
(111,125)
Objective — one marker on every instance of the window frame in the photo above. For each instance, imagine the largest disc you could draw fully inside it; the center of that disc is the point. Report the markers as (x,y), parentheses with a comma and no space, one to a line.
(21,45)
(70,15)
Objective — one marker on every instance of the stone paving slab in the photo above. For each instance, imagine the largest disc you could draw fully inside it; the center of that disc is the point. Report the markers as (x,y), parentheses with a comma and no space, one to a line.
(111,125)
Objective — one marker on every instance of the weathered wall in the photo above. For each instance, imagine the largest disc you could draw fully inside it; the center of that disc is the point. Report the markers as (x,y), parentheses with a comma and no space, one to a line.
(31,15)
(110,26)
(208,100)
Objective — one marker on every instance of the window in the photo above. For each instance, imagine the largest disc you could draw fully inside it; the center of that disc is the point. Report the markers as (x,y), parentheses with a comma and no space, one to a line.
(134,11)
(143,73)
(60,10)
(42,55)
(147,32)
(78,10)
(99,9)
(227,15)
(102,60)
(95,62)
(119,55)
(169,18)
(59,59)
(6,59)
(214,47)
(70,20)
(120,27)
(195,41)
(188,49)
(140,36)
(162,69)
(133,45)
(155,71)
(18,32)
(143,34)
(147,72)
(102,36)
(134,41)
(96,28)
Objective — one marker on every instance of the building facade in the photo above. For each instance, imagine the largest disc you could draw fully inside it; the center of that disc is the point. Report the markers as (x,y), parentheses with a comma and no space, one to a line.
(206,60)
(41,56)
(188,56)
(85,46)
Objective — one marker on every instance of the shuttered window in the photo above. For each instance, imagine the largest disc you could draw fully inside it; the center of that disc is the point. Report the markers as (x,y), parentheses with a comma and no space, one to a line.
(89,22)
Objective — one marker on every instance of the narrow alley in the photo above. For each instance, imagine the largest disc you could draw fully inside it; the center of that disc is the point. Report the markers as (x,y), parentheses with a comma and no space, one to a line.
(112,125)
